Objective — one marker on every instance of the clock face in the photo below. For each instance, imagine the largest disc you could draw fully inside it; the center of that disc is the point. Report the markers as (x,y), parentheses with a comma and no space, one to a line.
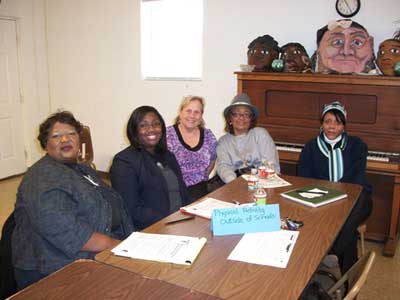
(347,8)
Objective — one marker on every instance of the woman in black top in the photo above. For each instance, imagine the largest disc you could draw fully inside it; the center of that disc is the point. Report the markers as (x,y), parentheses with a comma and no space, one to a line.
(146,174)
(336,156)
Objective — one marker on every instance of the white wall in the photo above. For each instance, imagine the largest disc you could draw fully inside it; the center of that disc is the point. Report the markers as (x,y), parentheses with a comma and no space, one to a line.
(94,56)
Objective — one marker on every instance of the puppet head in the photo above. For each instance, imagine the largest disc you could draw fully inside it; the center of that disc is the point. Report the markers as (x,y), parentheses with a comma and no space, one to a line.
(389,55)
(295,58)
(344,46)
(261,52)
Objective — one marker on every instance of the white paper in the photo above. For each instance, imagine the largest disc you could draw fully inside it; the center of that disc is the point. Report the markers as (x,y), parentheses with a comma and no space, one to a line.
(313,194)
(204,208)
(273,181)
(161,247)
(266,248)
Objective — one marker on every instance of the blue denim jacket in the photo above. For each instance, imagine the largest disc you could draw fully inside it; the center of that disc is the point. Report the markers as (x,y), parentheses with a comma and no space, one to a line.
(56,212)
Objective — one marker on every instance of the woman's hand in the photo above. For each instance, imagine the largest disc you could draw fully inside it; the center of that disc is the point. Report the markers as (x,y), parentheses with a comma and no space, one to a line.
(99,242)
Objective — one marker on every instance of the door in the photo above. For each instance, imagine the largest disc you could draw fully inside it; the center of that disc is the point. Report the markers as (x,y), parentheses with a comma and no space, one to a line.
(12,158)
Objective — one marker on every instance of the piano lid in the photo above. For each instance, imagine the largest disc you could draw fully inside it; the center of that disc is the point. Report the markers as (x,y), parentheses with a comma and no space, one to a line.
(290,105)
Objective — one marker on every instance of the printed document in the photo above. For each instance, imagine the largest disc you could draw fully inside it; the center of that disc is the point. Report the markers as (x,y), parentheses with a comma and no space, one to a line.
(266,248)
(161,247)
(273,181)
(205,208)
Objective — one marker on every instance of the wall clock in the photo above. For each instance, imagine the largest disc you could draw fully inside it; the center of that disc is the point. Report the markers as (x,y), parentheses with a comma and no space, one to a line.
(348,8)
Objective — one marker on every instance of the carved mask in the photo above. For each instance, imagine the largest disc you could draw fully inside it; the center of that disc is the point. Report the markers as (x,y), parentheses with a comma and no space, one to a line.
(388,56)
(345,47)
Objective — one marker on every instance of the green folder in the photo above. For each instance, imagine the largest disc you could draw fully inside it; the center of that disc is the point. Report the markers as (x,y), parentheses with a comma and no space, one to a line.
(314,195)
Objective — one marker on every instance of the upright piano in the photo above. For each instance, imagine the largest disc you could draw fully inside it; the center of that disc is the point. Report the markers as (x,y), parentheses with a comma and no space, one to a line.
(290,107)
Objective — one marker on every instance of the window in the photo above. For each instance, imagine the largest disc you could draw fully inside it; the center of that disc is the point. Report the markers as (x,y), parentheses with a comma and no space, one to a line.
(171,39)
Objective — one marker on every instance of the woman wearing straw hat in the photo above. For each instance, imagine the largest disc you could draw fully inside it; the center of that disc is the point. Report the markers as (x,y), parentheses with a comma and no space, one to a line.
(333,155)
(244,145)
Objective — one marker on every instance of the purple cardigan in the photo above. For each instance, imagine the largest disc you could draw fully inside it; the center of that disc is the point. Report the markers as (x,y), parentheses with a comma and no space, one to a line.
(192,161)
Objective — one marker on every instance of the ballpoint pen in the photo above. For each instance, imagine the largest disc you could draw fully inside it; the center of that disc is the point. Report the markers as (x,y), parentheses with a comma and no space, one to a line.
(179,220)
(290,243)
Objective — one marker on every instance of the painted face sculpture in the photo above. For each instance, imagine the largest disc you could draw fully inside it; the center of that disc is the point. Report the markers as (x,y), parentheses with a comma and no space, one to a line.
(295,58)
(389,56)
(344,46)
(261,52)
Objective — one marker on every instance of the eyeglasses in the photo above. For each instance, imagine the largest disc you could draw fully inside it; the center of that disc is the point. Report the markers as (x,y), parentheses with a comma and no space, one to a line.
(147,126)
(58,136)
(238,115)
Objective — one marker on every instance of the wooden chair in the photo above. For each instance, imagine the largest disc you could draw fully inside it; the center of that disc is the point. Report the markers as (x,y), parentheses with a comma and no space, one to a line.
(86,154)
(361,230)
(8,285)
(354,278)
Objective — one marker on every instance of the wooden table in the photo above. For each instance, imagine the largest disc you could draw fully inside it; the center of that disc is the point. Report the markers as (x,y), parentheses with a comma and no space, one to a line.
(213,274)
(87,279)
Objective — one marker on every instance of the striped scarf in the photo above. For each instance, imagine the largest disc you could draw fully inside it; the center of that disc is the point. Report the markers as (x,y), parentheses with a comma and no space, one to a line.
(334,155)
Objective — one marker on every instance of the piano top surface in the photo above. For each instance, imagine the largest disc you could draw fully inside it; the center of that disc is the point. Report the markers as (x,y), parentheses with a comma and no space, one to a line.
(378,80)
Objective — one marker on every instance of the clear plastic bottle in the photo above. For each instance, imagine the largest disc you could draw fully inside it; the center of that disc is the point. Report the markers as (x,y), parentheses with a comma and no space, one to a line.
(270,169)
(260,196)
(262,169)
(252,183)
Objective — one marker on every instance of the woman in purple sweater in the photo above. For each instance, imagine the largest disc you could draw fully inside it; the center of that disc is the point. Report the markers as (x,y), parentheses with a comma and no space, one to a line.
(193,145)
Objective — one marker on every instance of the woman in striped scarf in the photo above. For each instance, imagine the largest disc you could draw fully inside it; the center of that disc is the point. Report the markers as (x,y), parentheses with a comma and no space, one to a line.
(334,155)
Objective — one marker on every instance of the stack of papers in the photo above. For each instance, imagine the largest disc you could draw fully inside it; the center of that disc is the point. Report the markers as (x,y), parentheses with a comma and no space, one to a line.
(271,182)
(161,247)
(205,208)
(266,248)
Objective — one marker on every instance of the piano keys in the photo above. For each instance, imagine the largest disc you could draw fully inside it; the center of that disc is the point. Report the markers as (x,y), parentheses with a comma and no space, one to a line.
(290,108)
(372,155)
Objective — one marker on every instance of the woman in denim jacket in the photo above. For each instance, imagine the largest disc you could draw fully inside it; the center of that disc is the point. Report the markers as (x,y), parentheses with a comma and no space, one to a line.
(63,211)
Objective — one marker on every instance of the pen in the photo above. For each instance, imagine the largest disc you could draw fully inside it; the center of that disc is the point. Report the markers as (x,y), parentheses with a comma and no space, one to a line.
(179,220)
(290,244)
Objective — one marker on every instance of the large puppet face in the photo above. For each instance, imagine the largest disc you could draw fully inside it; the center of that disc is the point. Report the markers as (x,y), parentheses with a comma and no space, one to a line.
(295,59)
(388,56)
(345,50)
(261,55)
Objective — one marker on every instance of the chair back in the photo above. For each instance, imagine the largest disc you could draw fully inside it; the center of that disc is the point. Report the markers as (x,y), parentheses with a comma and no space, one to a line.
(355,278)
(8,285)
(362,229)
(86,154)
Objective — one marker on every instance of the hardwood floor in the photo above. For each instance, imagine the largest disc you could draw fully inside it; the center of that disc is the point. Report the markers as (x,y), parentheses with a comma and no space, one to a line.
(383,282)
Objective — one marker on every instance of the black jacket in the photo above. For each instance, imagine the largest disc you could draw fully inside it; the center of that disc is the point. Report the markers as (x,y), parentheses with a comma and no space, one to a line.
(136,176)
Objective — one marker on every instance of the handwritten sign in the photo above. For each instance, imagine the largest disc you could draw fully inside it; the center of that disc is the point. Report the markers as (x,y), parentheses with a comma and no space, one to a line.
(246,219)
